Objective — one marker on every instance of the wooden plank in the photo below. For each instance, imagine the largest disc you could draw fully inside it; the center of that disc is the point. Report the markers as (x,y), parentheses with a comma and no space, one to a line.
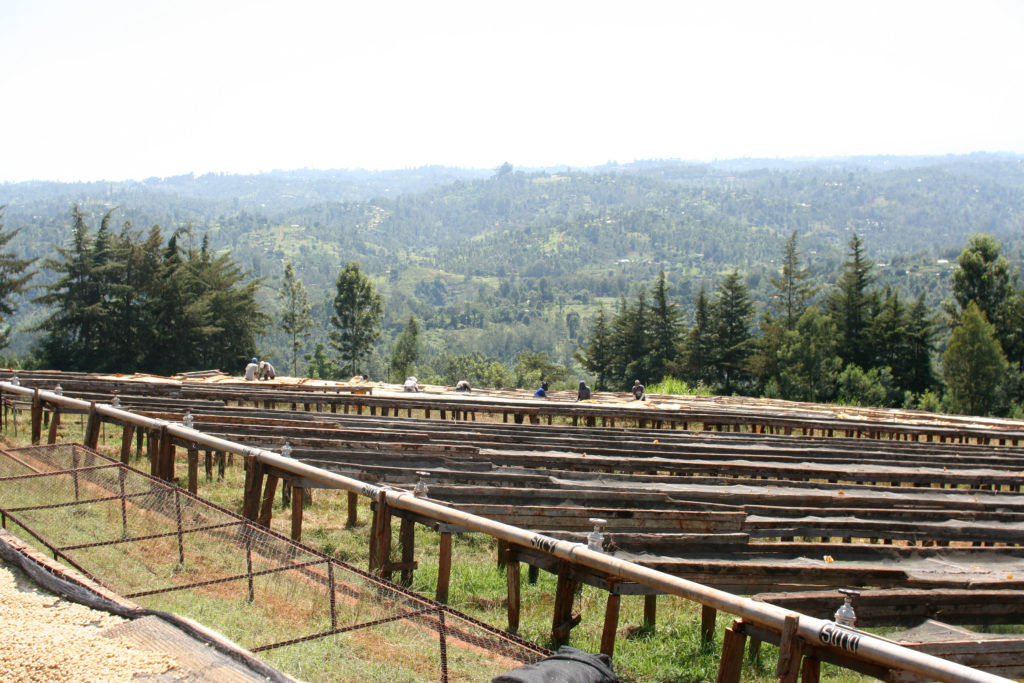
(730,667)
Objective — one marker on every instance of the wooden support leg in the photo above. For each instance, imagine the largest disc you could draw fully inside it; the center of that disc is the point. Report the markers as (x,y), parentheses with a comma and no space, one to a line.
(650,611)
(193,469)
(37,418)
(731,664)
(407,540)
(444,568)
(92,428)
(707,623)
(513,582)
(153,451)
(353,500)
(253,487)
(297,492)
(267,504)
(208,464)
(165,459)
(562,619)
(51,437)
(220,465)
(611,624)
(126,442)
(380,540)
(810,670)
(789,651)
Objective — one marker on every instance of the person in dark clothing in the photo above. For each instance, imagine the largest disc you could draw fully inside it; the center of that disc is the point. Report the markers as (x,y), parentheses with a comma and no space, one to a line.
(583,393)
(463,385)
(638,391)
(543,391)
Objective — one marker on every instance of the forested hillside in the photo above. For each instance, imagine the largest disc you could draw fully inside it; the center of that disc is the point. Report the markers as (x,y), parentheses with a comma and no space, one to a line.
(506,261)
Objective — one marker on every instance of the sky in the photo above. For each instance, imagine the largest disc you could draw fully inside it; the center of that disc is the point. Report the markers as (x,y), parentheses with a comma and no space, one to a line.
(131,89)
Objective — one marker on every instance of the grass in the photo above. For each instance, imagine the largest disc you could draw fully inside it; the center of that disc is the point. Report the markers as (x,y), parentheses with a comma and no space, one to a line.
(671,652)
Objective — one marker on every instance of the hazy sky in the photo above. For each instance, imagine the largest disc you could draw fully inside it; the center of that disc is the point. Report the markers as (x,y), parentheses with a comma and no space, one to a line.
(111,89)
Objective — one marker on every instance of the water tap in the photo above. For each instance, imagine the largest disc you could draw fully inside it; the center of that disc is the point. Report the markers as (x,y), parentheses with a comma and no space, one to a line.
(421,484)
(845,615)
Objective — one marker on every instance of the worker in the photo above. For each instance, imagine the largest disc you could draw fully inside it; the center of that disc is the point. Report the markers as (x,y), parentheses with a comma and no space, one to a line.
(251,369)
(583,393)
(463,385)
(638,391)
(411,384)
(542,392)
(266,370)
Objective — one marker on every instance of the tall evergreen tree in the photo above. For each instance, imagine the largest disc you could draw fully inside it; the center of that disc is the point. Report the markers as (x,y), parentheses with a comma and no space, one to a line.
(632,342)
(698,357)
(405,352)
(791,294)
(851,306)
(808,364)
(597,354)
(356,321)
(664,332)
(14,278)
(731,313)
(296,320)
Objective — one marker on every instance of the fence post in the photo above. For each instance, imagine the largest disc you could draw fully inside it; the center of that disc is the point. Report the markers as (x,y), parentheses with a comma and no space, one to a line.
(37,417)
(51,438)
(126,441)
(92,427)
(731,665)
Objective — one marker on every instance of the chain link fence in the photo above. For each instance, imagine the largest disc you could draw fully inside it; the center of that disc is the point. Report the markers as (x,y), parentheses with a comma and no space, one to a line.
(306,613)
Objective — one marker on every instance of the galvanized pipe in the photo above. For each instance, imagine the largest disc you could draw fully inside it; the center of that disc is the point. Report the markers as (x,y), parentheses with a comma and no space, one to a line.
(853,643)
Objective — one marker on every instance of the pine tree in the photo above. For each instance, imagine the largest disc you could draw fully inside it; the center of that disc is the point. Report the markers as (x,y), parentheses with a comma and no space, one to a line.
(698,357)
(664,332)
(597,354)
(356,321)
(851,306)
(731,314)
(405,352)
(14,278)
(296,320)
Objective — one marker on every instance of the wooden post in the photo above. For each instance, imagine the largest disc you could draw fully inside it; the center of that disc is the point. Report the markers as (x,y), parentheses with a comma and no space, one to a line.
(731,664)
(562,619)
(650,611)
(444,568)
(153,451)
(51,437)
(513,582)
(166,457)
(810,670)
(267,505)
(707,623)
(208,463)
(407,540)
(92,427)
(789,651)
(297,492)
(126,441)
(611,624)
(253,487)
(353,500)
(37,417)
(193,469)
(380,536)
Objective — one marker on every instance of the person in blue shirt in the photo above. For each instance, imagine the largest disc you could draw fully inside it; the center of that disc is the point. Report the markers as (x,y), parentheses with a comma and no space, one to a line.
(543,391)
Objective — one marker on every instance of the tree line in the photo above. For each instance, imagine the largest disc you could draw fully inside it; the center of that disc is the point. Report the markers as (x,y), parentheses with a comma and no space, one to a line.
(849,341)
(125,300)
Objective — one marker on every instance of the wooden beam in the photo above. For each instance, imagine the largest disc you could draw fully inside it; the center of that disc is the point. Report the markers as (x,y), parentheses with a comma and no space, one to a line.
(267,506)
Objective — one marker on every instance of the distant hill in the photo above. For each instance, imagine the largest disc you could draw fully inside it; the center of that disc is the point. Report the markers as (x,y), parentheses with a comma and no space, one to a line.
(488,259)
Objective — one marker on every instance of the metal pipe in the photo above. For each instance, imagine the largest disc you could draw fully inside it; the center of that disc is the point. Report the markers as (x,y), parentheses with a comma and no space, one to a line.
(849,642)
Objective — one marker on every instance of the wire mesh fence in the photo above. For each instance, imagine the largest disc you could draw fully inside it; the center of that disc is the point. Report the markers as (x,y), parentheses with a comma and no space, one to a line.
(306,613)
